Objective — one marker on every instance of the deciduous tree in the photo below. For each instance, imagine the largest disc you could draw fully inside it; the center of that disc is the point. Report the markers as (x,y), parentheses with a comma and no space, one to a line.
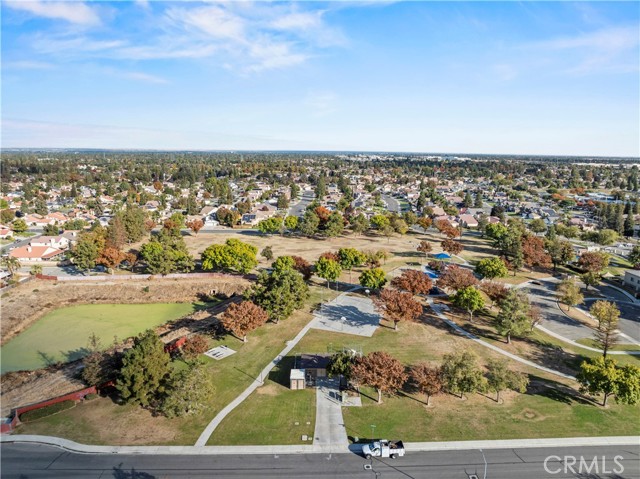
(195,225)
(500,378)
(373,278)
(491,268)
(242,318)
(569,293)
(328,269)
(379,370)
(233,254)
(350,258)
(397,306)
(461,374)
(415,282)
(426,380)
(469,299)
(599,376)
(451,246)
(607,314)
(456,278)
(194,346)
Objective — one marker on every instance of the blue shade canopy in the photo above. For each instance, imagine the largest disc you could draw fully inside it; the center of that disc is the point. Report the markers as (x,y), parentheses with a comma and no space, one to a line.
(441,256)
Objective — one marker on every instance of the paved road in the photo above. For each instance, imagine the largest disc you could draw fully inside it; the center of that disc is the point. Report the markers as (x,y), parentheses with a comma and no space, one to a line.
(35,461)
(392,204)
(22,242)
(299,208)
(555,320)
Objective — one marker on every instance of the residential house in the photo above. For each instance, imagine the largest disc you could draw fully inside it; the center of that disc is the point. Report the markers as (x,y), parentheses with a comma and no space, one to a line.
(36,253)
(5,232)
(632,279)
(58,242)
(468,221)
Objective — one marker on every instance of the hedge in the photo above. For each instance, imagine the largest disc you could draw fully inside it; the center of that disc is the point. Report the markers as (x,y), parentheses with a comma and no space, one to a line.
(47,411)
(90,397)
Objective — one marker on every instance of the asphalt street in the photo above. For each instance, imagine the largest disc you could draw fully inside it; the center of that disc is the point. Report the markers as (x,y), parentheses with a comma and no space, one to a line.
(392,204)
(299,208)
(31,461)
(16,244)
(544,295)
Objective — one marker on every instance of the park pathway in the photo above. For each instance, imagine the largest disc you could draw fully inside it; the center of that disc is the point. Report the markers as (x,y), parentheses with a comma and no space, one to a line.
(215,422)
(437,308)
(330,431)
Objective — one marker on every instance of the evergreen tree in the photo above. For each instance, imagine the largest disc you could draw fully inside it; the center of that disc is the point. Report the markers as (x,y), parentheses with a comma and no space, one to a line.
(145,370)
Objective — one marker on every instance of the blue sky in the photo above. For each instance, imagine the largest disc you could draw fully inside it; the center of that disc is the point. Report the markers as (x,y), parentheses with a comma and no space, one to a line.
(478,77)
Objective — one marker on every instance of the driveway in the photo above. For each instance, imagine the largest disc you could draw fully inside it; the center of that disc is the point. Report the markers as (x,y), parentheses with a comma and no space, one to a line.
(330,430)
(544,296)
(349,313)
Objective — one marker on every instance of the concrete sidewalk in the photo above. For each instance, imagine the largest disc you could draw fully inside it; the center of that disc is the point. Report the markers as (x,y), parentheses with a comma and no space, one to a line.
(330,431)
(315,449)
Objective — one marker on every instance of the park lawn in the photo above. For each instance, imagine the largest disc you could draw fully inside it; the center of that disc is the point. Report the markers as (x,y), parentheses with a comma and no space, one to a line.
(62,334)
(546,411)
(277,415)
(232,376)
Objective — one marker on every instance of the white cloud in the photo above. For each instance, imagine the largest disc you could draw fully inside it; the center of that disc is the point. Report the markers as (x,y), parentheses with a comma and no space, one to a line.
(611,39)
(74,12)
(298,21)
(214,21)
(601,51)
(28,65)
(242,36)
(144,77)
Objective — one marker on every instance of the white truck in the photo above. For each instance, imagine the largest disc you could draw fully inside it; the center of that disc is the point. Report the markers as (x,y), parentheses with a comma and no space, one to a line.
(383,448)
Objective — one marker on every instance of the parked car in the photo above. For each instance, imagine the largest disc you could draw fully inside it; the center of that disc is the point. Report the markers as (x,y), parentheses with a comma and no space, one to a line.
(383,448)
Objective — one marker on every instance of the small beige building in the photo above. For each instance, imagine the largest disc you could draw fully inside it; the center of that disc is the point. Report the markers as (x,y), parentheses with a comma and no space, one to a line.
(307,368)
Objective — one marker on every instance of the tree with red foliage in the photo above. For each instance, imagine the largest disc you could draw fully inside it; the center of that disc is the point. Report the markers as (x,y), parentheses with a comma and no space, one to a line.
(323,214)
(415,282)
(451,246)
(111,257)
(194,346)
(533,252)
(195,225)
(426,380)
(456,278)
(495,290)
(303,267)
(442,225)
(425,247)
(330,255)
(379,370)
(242,318)
(593,261)
(397,306)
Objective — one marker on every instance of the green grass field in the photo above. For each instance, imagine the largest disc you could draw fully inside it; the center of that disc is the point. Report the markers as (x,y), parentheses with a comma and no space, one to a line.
(545,412)
(62,334)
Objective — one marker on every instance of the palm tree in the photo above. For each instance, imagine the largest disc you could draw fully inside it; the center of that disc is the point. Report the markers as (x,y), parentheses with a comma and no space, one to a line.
(11,263)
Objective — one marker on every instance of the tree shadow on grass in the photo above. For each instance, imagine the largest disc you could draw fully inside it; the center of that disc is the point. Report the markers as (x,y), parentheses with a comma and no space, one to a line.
(280,374)
(555,391)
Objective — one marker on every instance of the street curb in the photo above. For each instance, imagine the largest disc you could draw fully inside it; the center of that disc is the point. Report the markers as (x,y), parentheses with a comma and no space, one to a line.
(75,447)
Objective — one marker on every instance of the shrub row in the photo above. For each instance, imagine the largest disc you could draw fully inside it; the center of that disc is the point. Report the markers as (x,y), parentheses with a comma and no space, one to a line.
(47,411)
